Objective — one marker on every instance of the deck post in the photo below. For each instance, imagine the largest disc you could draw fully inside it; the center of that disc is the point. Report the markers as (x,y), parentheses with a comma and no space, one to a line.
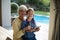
(6,13)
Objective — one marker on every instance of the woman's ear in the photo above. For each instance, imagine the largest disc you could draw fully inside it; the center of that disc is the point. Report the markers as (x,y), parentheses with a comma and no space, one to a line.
(26,12)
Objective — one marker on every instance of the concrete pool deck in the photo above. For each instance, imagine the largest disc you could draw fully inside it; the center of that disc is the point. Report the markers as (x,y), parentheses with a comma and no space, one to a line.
(43,33)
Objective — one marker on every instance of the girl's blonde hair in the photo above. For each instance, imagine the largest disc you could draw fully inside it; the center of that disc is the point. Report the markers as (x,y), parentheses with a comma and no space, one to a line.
(30,9)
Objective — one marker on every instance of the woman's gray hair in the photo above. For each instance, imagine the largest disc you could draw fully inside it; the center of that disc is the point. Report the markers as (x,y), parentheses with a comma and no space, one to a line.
(21,7)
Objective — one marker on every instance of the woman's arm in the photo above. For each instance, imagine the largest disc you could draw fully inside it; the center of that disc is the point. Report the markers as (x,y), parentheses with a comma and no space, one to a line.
(17,33)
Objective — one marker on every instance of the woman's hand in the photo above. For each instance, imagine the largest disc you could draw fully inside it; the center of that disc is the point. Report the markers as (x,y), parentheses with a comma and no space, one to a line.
(28,28)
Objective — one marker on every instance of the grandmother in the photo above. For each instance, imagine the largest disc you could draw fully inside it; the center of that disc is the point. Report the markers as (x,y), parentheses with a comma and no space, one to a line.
(16,24)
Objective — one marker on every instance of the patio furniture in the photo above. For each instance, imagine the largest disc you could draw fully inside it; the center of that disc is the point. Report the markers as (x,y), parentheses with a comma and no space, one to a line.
(4,34)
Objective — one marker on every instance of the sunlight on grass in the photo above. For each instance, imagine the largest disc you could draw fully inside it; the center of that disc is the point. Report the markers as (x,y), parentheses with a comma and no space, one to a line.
(42,13)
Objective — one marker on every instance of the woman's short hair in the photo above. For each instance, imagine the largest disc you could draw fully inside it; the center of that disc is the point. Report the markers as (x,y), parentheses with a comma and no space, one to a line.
(21,7)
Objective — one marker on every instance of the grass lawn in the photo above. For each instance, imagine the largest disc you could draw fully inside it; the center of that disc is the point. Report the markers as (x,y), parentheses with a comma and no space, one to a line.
(37,12)
(42,13)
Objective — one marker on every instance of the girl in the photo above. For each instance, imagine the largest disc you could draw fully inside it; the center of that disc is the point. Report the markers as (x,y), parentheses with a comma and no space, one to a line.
(29,34)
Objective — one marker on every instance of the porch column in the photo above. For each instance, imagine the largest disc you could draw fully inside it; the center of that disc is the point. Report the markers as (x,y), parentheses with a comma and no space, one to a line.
(52,18)
(6,13)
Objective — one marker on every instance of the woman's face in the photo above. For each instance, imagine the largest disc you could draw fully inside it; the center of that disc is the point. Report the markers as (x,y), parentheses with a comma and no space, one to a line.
(22,13)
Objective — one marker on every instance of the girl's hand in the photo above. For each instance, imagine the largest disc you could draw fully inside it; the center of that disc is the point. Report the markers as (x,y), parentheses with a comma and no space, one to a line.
(37,29)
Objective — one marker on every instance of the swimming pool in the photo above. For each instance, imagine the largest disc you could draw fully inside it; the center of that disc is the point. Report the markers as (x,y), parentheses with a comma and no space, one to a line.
(41,19)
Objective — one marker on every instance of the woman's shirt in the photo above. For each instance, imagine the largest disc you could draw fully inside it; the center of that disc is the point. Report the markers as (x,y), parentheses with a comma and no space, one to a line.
(17,33)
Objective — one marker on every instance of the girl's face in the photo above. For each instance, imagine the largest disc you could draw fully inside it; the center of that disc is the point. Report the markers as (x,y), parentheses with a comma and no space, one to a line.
(30,15)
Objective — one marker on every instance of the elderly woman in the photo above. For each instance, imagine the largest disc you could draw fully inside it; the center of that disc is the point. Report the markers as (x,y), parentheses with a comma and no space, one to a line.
(17,33)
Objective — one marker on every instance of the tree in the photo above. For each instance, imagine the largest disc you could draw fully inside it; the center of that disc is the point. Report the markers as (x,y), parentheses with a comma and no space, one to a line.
(14,7)
(34,2)
(45,2)
(19,2)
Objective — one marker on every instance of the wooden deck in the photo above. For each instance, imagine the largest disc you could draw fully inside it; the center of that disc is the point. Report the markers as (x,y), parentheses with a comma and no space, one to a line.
(4,34)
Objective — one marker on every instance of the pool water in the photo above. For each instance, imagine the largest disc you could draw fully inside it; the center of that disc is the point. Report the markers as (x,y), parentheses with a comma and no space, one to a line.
(41,19)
